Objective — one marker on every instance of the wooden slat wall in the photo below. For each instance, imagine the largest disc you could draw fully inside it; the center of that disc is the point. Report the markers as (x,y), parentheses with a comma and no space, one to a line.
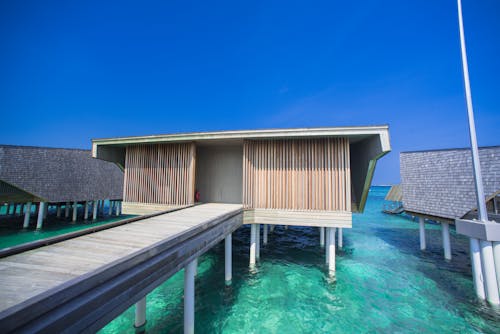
(298,174)
(161,173)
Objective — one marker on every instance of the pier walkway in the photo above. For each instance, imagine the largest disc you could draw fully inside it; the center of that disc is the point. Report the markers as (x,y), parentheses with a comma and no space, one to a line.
(83,283)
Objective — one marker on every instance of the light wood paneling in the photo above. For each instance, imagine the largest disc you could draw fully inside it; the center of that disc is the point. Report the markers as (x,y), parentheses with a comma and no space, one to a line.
(297,174)
(298,218)
(160,174)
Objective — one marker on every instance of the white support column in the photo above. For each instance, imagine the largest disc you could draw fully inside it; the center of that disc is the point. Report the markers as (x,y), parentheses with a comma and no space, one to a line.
(271,228)
(327,242)
(489,275)
(58,212)
(477,273)
(195,267)
(228,259)
(110,208)
(86,210)
(322,236)
(27,214)
(75,211)
(341,237)
(286,227)
(41,210)
(189,273)
(46,211)
(66,210)
(264,238)
(421,226)
(94,209)
(496,257)
(445,230)
(257,243)
(140,314)
(117,208)
(253,244)
(331,252)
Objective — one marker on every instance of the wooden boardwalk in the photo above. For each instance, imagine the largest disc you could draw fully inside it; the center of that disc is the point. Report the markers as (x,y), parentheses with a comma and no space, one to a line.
(38,276)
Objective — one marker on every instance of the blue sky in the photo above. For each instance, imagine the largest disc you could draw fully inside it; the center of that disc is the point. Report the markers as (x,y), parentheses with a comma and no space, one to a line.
(73,71)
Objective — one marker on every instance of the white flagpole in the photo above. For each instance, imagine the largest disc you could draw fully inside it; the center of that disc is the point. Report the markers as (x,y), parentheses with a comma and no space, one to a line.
(486,247)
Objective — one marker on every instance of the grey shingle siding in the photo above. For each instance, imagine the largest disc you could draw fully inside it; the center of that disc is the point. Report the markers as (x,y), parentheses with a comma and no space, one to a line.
(441,183)
(60,175)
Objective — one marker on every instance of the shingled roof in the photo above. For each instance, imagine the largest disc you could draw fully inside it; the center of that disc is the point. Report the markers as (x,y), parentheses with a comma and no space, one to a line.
(440,183)
(56,175)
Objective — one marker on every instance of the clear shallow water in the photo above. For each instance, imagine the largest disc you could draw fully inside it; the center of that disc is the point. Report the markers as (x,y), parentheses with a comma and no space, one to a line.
(384,285)
(12,232)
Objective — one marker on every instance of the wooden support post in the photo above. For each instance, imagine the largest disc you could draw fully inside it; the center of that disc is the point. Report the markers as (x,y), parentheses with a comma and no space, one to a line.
(140,315)
(253,243)
(228,259)
(421,224)
(189,287)
(41,210)
(27,214)
(75,211)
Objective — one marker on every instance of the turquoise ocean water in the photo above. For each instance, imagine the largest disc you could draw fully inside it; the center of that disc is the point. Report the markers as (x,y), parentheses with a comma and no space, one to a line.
(384,284)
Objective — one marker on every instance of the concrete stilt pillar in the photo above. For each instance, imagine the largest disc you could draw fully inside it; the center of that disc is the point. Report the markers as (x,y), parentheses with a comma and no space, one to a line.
(488,270)
(110,208)
(86,211)
(253,243)
(340,237)
(94,209)
(189,273)
(327,242)
(46,211)
(228,259)
(75,211)
(264,238)
(66,210)
(421,226)
(58,212)
(477,274)
(286,227)
(117,208)
(496,257)
(27,214)
(322,236)
(140,314)
(445,230)
(41,210)
(331,251)
(257,243)
(195,267)
(271,228)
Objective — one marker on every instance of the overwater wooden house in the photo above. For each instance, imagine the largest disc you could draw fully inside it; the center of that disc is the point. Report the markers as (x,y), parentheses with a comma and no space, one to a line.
(308,177)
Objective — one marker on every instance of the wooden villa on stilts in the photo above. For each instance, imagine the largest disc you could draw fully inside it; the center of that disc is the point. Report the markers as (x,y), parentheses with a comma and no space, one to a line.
(306,177)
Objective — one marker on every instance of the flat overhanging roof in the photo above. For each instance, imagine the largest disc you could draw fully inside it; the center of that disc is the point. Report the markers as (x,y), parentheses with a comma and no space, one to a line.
(354,133)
